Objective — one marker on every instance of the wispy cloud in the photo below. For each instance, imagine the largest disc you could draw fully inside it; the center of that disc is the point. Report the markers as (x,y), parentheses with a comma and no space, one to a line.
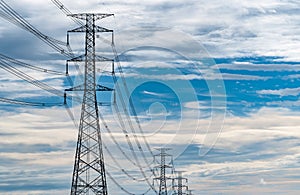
(260,67)
(280,92)
(154,94)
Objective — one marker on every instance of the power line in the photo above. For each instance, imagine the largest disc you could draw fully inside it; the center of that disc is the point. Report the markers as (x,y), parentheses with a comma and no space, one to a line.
(120,70)
(12,16)
(22,75)
(27,103)
(26,65)
(66,11)
(123,126)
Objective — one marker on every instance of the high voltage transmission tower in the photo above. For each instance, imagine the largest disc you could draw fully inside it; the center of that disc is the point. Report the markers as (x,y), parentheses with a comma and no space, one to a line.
(180,184)
(89,171)
(162,178)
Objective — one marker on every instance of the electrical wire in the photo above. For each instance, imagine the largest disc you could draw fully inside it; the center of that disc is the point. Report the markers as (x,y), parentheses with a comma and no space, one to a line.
(36,68)
(128,118)
(116,162)
(122,188)
(120,148)
(117,110)
(66,11)
(12,61)
(12,16)
(29,79)
(5,62)
(128,96)
(22,75)
(26,103)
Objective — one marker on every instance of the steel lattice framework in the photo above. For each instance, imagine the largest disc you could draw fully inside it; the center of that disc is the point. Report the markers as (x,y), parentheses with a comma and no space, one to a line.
(179,187)
(89,171)
(162,168)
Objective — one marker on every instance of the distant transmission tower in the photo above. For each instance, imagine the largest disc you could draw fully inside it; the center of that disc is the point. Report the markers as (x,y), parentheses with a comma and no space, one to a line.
(89,171)
(179,184)
(162,168)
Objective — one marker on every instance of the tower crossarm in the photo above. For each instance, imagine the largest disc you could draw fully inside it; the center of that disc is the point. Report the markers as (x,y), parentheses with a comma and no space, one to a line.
(84,16)
(97,88)
(98,58)
(83,29)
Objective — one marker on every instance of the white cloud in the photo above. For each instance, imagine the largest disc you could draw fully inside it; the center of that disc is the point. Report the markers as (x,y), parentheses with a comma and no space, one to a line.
(228,76)
(154,94)
(280,92)
(284,103)
(259,67)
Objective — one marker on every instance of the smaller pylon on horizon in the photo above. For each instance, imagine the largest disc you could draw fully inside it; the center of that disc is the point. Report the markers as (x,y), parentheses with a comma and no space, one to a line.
(179,184)
(163,190)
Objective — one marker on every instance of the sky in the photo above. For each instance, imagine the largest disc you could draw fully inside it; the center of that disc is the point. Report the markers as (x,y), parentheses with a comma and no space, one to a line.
(215,81)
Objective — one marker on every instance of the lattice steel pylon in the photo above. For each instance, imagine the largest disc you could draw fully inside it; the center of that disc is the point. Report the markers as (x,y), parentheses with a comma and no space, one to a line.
(89,170)
(178,187)
(163,190)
